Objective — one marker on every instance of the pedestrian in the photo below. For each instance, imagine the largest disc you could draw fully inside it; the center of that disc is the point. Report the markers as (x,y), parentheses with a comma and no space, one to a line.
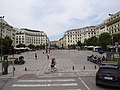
(35,55)
(103,58)
(48,56)
(53,63)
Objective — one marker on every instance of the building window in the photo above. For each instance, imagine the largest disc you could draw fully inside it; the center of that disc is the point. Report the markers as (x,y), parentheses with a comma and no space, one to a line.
(118,29)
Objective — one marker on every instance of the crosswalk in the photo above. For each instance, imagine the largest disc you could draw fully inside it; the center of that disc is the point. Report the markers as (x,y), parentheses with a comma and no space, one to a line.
(54,84)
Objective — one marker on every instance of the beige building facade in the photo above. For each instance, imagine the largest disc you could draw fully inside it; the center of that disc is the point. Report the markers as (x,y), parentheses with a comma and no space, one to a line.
(34,37)
(7,30)
(110,25)
(71,37)
(24,36)
(113,23)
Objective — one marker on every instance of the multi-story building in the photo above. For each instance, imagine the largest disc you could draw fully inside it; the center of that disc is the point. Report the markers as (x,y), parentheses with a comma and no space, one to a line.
(113,23)
(110,25)
(61,43)
(24,36)
(101,28)
(7,30)
(71,37)
(34,37)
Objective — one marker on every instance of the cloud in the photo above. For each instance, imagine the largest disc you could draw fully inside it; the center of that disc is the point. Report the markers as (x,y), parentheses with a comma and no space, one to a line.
(54,17)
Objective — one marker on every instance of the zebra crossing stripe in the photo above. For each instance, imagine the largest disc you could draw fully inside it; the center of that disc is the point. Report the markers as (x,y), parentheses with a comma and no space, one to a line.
(54,80)
(44,85)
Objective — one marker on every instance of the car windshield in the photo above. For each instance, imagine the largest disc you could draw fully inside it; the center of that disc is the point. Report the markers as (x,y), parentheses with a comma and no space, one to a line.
(109,70)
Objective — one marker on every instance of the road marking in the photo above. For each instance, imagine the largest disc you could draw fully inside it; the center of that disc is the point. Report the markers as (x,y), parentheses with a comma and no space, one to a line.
(84,83)
(54,80)
(43,85)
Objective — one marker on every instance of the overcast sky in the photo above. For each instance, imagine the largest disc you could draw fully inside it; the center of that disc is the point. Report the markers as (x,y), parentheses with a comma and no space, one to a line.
(54,17)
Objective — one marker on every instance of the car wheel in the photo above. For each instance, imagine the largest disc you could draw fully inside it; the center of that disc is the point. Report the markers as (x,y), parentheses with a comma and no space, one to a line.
(97,84)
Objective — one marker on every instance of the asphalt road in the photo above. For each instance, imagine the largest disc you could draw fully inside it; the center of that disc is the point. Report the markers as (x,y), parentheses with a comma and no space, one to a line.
(74,72)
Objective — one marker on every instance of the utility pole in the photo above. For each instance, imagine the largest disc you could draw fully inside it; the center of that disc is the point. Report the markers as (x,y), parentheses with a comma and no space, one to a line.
(1,17)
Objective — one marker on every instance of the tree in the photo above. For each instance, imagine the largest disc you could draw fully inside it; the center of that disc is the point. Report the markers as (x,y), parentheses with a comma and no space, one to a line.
(85,42)
(116,38)
(20,45)
(7,42)
(31,46)
(93,41)
(79,44)
(73,46)
(104,40)
(37,47)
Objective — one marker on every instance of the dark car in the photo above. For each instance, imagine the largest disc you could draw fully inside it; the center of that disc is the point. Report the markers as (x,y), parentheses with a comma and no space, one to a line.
(109,75)
(109,63)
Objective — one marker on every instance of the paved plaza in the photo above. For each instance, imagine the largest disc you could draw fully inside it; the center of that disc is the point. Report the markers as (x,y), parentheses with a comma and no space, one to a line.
(73,72)
(69,64)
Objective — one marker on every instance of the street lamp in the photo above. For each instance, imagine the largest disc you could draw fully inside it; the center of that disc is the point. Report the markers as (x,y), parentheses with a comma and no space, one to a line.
(112,37)
(1,17)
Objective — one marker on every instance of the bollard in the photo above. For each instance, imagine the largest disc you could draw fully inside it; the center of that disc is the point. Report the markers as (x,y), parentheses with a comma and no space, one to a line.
(25,69)
(84,67)
(95,67)
(73,68)
(14,68)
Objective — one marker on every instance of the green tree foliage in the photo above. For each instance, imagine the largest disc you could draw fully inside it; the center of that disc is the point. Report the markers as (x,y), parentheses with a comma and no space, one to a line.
(85,42)
(104,40)
(20,45)
(79,44)
(31,46)
(93,41)
(7,42)
(40,46)
(116,38)
(72,46)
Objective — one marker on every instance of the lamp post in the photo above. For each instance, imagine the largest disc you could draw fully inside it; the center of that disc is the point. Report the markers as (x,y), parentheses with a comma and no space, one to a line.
(1,17)
(112,37)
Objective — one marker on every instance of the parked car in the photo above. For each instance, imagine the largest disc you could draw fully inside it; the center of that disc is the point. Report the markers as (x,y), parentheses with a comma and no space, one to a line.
(109,75)
(109,63)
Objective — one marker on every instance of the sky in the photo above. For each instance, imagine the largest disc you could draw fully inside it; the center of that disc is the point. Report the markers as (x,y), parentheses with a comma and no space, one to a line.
(55,17)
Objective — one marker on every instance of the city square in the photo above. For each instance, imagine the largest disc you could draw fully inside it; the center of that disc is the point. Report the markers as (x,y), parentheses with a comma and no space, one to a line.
(59,45)
(38,74)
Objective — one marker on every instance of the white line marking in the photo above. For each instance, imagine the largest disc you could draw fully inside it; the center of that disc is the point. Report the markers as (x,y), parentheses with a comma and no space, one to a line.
(84,83)
(43,85)
(56,80)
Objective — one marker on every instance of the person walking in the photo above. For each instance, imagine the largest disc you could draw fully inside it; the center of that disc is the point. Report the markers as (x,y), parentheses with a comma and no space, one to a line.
(53,63)
(48,56)
(35,55)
